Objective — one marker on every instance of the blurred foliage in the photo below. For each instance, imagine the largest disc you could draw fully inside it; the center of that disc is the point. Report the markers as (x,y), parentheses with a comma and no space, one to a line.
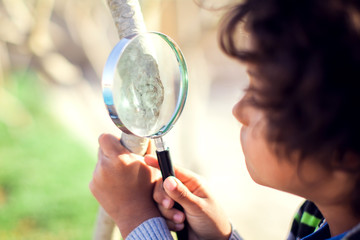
(44,167)
(44,170)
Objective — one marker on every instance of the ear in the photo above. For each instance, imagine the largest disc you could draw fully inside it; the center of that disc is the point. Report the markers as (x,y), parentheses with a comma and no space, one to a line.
(350,162)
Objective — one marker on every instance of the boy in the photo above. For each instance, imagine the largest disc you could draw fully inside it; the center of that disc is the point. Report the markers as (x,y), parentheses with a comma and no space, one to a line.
(299,129)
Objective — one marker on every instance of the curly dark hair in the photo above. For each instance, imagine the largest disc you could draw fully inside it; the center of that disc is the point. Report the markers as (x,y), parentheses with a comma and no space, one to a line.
(307,55)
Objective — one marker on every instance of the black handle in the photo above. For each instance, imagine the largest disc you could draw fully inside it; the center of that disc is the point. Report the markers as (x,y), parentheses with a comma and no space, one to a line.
(165,164)
(167,170)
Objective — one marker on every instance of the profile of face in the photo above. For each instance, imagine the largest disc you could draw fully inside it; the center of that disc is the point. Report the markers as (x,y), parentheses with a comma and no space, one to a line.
(264,165)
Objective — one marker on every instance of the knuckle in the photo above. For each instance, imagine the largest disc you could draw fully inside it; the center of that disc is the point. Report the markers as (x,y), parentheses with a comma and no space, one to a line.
(158,196)
(120,162)
(183,194)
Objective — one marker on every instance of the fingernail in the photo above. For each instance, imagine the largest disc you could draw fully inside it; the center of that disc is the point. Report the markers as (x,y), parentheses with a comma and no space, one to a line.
(166,203)
(178,217)
(170,184)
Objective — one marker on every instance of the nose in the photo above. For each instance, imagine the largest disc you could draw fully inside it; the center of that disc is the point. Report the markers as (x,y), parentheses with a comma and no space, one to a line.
(241,111)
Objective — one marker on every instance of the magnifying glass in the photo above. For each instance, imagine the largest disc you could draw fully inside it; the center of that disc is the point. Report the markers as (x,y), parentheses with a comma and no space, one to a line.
(145,84)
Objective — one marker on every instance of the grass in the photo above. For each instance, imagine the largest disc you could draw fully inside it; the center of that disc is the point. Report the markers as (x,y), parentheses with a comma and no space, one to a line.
(44,170)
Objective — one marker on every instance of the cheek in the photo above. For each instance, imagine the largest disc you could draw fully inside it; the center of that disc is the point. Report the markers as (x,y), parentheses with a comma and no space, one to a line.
(252,150)
(262,165)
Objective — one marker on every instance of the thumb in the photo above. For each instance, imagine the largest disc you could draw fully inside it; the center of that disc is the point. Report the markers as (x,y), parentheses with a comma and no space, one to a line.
(151,160)
(180,193)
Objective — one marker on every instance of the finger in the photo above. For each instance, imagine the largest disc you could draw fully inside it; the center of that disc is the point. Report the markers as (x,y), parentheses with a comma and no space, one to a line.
(172,214)
(103,160)
(180,193)
(190,179)
(174,226)
(113,157)
(161,197)
(151,160)
(182,174)
(185,175)
(151,148)
(110,145)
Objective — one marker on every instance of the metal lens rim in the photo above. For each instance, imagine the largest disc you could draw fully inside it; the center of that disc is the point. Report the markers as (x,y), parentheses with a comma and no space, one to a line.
(108,82)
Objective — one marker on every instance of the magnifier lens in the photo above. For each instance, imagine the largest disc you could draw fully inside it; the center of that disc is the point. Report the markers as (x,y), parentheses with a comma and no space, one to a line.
(148,89)
(145,87)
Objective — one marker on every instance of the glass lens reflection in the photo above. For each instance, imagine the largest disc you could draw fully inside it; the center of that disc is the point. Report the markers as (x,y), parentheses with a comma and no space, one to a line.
(146,85)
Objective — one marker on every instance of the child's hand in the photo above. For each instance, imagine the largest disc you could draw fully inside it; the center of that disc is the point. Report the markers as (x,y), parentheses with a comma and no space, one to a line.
(123,185)
(205,218)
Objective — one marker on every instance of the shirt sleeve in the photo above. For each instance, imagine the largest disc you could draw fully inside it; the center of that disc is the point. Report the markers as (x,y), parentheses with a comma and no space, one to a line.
(156,229)
(234,234)
(151,229)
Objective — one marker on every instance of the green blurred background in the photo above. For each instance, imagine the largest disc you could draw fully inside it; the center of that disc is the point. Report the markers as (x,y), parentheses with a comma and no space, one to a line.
(44,170)
(51,112)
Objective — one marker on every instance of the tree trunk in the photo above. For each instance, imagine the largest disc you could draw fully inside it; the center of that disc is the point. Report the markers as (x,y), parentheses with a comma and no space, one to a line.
(128,19)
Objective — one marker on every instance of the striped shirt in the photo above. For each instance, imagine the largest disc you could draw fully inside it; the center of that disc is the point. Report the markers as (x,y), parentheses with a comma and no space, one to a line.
(309,224)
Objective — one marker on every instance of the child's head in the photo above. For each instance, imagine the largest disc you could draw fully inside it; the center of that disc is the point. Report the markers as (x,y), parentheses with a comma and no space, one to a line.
(305,62)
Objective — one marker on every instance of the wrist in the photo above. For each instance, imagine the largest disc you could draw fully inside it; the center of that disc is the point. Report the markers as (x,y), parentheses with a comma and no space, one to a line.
(134,216)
